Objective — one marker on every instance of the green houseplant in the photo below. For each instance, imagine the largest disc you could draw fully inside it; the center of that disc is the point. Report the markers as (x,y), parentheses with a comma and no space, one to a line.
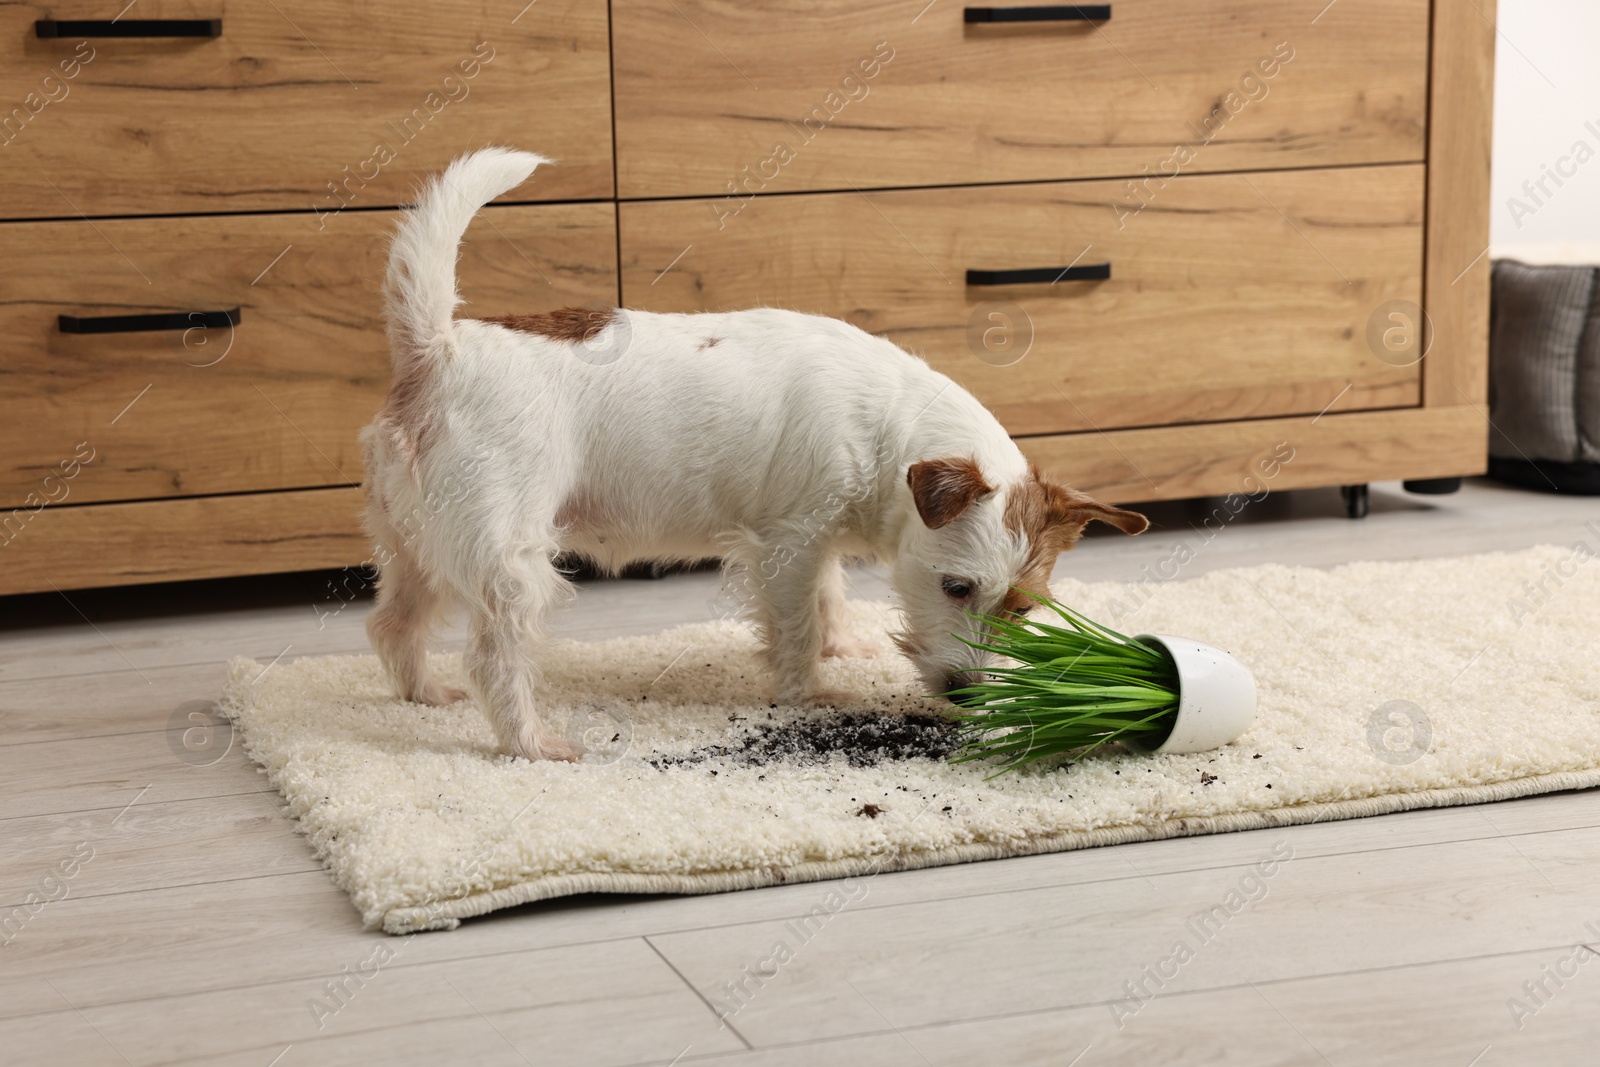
(1079,685)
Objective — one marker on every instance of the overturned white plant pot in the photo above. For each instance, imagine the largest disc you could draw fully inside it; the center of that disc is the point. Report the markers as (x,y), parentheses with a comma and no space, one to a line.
(1216,697)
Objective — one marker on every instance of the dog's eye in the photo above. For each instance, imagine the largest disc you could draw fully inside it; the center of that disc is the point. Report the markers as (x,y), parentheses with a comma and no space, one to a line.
(956,588)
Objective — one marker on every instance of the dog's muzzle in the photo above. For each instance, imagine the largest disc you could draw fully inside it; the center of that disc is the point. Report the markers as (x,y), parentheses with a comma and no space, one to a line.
(960,680)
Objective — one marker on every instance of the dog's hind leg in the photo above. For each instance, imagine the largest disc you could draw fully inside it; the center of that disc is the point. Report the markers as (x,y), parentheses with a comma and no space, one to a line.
(409,606)
(506,627)
(836,641)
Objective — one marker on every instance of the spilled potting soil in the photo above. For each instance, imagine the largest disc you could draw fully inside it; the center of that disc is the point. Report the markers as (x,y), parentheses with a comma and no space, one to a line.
(864,739)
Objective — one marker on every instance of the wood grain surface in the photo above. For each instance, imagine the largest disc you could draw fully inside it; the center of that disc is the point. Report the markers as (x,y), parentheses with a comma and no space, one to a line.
(297,105)
(184,538)
(1245,458)
(1459,147)
(905,93)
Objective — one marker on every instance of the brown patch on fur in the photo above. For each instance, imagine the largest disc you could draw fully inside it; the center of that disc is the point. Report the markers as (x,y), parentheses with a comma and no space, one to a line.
(709,342)
(563,324)
(944,488)
(1051,518)
(405,413)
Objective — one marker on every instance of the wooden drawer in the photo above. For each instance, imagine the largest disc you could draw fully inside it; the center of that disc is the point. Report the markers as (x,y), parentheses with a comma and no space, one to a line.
(1230,296)
(193,537)
(273,403)
(835,94)
(1184,462)
(296,105)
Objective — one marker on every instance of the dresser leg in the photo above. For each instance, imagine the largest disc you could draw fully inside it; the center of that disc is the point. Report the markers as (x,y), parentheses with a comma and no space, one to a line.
(1433,486)
(1356,500)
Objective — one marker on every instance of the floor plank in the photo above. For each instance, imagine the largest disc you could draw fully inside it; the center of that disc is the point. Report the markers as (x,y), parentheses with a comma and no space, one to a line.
(108,772)
(106,703)
(587,1006)
(154,845)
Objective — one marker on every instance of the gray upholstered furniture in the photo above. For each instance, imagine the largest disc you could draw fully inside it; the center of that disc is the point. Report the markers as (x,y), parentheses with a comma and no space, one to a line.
(1544,376)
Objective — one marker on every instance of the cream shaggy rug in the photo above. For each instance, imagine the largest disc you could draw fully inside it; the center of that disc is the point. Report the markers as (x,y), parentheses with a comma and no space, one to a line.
(1383,687)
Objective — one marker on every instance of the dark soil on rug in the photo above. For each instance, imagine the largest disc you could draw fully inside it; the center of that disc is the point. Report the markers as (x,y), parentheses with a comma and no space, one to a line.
(864,739)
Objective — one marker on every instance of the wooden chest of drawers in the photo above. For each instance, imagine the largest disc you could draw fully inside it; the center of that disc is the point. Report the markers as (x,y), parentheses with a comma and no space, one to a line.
(1156,244)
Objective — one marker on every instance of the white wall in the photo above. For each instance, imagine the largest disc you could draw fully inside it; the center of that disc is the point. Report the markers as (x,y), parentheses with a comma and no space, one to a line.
(1547,119)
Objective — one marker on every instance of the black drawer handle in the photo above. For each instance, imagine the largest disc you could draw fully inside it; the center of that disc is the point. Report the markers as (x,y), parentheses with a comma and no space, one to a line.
(49,28)
(176,320)
(1052,13)
(1093,272)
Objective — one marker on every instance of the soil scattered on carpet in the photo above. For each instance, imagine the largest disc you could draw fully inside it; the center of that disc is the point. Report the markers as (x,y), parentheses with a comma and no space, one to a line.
(864,739)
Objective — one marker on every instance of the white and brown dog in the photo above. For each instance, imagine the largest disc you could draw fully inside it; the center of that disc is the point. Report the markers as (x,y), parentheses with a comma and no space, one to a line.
(779,441)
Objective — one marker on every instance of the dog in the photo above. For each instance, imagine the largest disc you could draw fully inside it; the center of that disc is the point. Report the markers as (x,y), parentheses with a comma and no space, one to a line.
(778,441)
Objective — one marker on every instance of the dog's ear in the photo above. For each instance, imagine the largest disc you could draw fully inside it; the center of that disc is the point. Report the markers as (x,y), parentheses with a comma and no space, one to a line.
(1052,516)
(1068,507)
(944,488)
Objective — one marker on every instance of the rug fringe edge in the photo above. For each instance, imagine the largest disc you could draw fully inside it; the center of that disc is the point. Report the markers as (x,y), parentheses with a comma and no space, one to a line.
(447,915)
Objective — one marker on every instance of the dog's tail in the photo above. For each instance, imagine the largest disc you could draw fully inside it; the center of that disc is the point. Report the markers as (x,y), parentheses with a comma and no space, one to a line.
(420,292)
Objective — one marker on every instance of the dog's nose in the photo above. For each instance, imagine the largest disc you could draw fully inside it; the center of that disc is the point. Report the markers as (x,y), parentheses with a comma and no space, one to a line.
(960,680)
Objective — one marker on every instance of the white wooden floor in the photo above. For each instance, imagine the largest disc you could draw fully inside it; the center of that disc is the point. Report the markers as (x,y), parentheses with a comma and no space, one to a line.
(195,926)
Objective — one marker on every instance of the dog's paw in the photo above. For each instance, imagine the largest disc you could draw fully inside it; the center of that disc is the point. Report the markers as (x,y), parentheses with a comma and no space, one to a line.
(439,695)
(843,648)
(548,746)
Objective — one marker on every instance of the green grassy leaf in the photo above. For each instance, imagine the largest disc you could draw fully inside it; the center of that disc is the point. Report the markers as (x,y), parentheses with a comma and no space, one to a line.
(1078,686)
